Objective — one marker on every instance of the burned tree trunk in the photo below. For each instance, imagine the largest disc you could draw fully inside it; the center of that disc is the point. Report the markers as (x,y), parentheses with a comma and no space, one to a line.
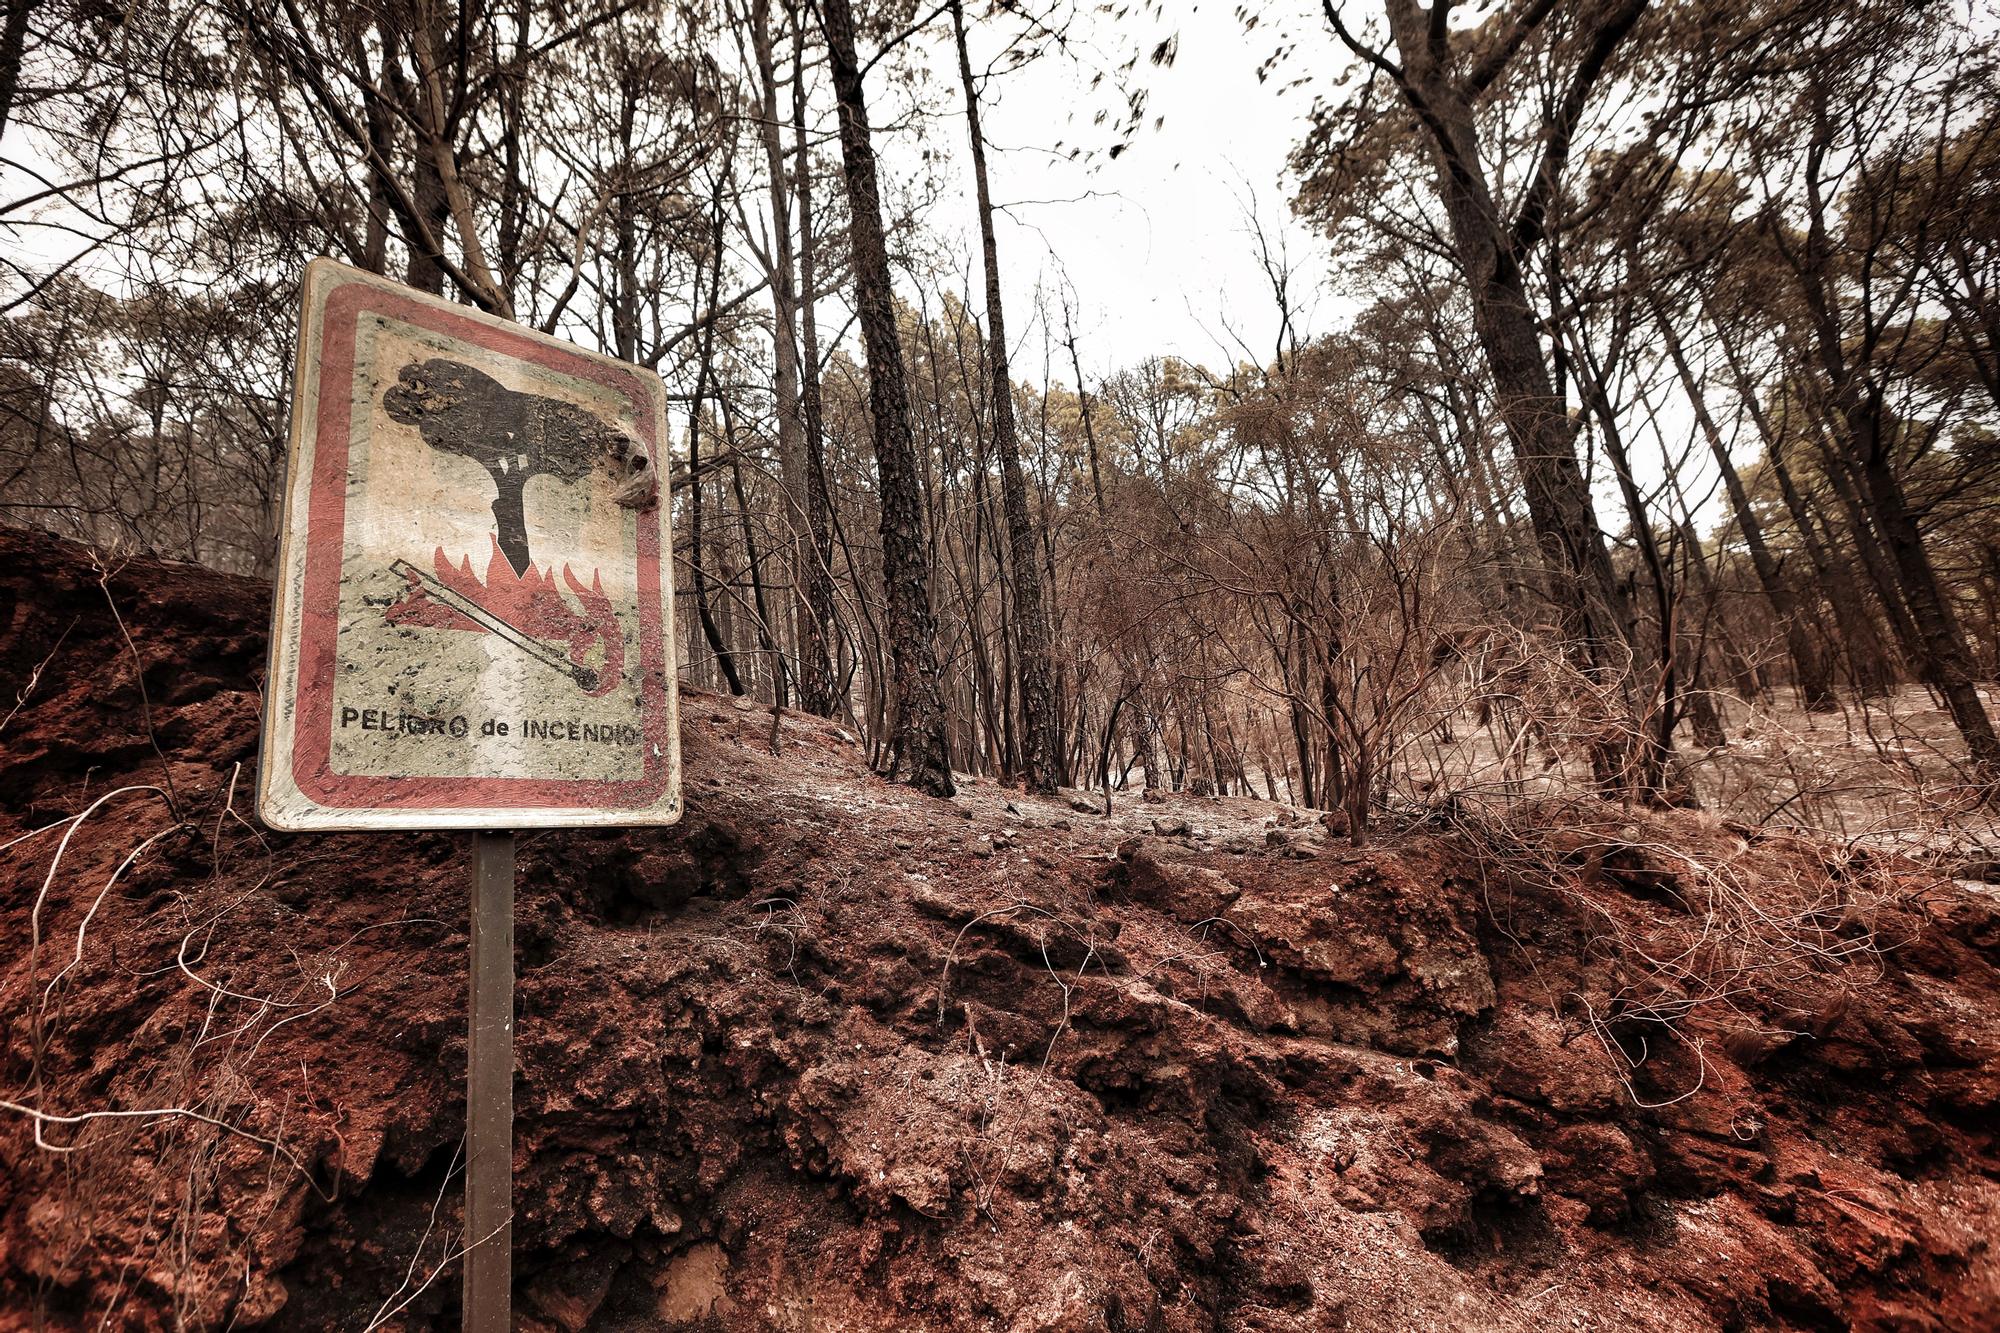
(1814,680)
(917,752)
(820,689)
(810,630)
(1595,616)
(1041,731)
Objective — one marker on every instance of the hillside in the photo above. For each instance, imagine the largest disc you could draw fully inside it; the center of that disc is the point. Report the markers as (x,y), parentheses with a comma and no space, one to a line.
(833,1055)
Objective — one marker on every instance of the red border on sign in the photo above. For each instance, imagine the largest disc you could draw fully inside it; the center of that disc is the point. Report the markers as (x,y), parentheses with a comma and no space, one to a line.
(312,735)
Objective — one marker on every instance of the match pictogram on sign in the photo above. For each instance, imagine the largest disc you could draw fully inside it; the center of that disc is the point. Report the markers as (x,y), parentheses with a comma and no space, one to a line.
(473,624)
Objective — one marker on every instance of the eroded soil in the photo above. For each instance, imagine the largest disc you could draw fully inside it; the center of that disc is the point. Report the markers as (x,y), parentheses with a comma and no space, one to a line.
(831,1055)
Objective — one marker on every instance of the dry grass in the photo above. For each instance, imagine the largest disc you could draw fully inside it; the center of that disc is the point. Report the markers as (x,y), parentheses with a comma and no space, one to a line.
(1887,774)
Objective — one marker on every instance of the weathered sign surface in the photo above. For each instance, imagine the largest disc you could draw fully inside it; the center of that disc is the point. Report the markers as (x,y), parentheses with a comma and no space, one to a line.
(473,625)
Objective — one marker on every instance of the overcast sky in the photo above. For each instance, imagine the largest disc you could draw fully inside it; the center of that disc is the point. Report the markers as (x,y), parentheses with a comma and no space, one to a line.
(1157,243)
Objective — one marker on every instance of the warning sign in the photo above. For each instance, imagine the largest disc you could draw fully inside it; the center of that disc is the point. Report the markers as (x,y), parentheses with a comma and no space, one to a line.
(473,624)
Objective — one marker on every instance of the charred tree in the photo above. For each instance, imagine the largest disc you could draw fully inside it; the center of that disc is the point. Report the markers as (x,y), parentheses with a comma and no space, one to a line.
(1488,247)
(820,688)
(1809,666)
(917,752)
(1041,729)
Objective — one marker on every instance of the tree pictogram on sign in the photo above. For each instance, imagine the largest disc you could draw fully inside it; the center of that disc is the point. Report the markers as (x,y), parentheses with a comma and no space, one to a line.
(474,611)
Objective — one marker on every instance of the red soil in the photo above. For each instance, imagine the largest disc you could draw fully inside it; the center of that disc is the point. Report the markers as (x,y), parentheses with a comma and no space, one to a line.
(833,1055)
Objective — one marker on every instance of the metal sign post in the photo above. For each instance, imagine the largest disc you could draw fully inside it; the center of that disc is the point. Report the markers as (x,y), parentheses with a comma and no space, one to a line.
(489,1091)
(472,628)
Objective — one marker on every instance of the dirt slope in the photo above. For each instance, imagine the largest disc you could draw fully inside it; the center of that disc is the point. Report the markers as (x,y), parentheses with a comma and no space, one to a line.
(834,1056)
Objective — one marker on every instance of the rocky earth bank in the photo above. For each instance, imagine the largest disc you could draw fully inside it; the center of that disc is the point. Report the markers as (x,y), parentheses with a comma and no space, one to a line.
(832,1055)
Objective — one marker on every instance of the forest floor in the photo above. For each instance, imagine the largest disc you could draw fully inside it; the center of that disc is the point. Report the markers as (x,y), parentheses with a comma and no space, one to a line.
(1889,772)
(832,1055)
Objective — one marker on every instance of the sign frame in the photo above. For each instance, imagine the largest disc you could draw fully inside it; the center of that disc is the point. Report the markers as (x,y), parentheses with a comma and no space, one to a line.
(298,789)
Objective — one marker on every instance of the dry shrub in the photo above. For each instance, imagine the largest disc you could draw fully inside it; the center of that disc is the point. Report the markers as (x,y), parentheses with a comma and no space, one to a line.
(1886,774)
(1698,934)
